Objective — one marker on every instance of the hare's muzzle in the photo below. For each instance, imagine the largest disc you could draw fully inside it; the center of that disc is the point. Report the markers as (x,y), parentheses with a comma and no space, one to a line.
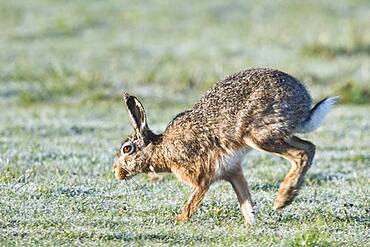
(119,172)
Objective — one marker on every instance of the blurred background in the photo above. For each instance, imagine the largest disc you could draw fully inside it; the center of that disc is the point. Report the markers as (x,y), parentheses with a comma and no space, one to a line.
(90,51)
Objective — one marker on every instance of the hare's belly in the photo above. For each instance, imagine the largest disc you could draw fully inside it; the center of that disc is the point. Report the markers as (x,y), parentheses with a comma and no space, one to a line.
(230,162)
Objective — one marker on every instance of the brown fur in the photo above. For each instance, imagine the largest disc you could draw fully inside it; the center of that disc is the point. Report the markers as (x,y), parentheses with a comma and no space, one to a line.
(256,108)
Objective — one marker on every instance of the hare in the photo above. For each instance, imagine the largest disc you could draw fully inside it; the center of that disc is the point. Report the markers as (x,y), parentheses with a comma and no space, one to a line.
(255,108)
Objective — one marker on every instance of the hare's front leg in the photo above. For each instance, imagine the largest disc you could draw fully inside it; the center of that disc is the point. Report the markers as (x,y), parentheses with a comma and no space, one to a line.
(240,186)
(191,206)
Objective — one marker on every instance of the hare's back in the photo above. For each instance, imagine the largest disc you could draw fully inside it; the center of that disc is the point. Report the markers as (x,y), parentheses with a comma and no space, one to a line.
(264,98)
(257,87)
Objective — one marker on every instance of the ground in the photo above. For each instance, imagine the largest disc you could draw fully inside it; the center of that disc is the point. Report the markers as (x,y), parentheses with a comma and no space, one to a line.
(64,64)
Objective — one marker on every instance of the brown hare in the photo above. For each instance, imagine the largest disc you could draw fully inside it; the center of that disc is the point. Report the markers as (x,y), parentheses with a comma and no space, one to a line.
(256,108)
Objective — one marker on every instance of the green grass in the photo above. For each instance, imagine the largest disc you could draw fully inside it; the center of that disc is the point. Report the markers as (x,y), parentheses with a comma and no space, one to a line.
(57,186)
(351,92)
(64,64)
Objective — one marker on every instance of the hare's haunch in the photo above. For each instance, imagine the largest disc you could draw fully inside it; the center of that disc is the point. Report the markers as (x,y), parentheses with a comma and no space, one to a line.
(256,108)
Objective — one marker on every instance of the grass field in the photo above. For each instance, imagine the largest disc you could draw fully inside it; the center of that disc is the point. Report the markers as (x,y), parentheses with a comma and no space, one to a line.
(64,64)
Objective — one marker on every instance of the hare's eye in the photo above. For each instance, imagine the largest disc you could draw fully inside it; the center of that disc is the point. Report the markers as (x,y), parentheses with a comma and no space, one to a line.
(127,149)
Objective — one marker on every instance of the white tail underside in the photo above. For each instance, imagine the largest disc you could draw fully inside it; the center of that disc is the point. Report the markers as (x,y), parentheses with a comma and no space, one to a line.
(317,116)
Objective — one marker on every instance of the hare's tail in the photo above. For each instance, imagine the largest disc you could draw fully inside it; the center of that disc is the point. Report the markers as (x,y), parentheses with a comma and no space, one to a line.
(317,115)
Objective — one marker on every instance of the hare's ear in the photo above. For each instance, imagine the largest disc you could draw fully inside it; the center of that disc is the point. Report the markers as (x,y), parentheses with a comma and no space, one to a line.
(137,113)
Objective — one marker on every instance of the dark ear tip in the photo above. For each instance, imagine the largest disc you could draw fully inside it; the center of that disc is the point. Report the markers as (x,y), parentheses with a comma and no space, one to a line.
(126,96)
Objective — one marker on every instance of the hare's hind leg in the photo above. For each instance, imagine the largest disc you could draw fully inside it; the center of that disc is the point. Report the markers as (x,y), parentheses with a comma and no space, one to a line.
(240,185)
(300,153)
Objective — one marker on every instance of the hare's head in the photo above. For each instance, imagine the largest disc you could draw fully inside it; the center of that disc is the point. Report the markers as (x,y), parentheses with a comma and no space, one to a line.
(134,154)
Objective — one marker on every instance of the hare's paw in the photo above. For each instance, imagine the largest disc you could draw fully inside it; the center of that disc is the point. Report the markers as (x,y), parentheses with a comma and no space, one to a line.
(251,220)
(285,197)
(181,217)
(279,204)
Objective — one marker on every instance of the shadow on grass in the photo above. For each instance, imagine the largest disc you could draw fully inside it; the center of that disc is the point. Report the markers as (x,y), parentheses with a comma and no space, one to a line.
(127,237)
(266,186)
(321,178)
(160,237)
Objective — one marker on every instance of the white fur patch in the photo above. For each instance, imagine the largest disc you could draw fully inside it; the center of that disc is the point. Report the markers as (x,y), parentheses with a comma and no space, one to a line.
(317,116)
(230,161)
(248,213)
